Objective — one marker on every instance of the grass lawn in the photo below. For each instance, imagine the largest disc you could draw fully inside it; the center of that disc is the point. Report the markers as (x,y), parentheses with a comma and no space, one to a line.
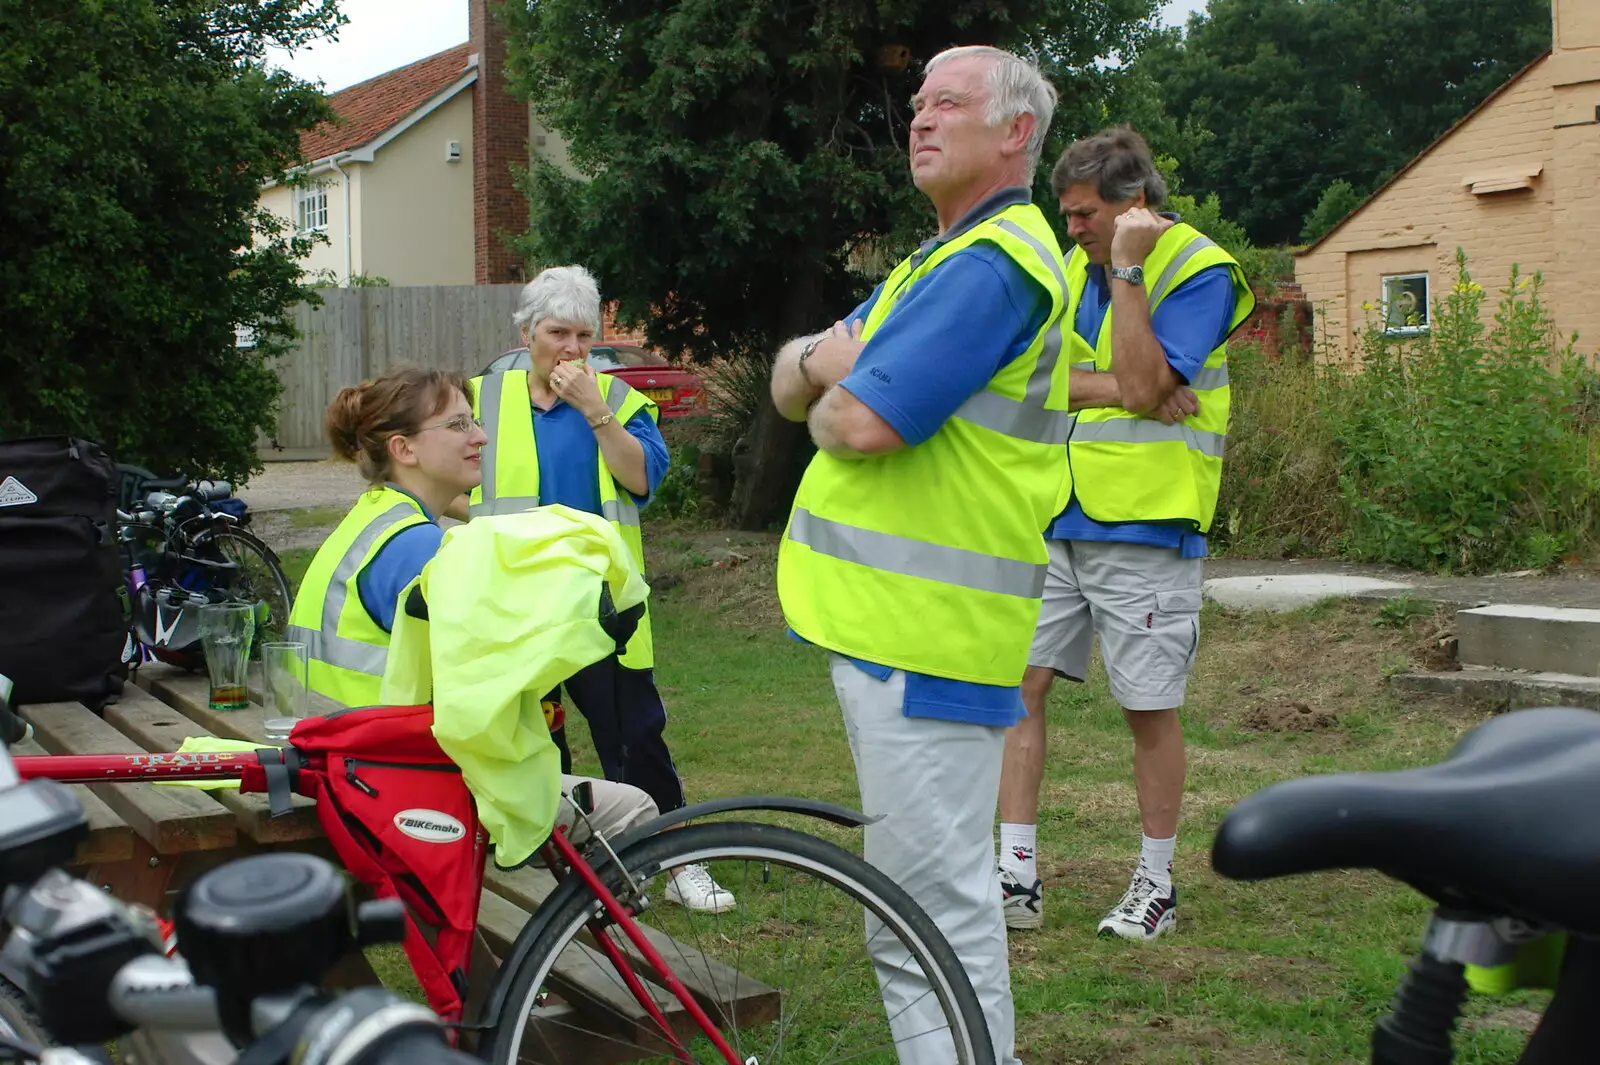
(1287,971)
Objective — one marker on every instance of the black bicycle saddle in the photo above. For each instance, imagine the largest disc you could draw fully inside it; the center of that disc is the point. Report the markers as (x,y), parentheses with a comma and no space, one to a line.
(1508,825)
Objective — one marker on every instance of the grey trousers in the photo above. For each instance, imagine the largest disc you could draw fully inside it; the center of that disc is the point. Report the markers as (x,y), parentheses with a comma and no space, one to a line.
(936,783)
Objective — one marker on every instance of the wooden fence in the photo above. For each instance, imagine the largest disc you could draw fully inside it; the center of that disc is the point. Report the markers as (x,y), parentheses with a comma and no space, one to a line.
(359,333)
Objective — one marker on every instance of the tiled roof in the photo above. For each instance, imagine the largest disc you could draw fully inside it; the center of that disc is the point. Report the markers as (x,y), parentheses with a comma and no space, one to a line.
(370,107)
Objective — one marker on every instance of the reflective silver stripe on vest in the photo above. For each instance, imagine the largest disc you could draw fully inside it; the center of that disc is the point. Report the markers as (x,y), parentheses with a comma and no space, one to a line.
(508,505)
(1027,418)
(1164,282)
(1149,431)
(621,510)
(916,558)
(1085,367)
(327,645)
(619,392)
(1210,377)
(489,390)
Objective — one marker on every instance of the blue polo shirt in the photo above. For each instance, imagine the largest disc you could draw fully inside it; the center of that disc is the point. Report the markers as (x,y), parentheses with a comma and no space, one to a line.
(943,341)
(569,459)
(1190,323)
(396,565)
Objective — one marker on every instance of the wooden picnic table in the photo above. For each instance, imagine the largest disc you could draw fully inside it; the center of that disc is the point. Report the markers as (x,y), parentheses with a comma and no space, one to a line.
(146,842)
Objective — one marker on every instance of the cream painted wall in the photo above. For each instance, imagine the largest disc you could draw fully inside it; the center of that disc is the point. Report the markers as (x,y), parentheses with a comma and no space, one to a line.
(1417,223)
(416,208)
(553,150)
(330,256)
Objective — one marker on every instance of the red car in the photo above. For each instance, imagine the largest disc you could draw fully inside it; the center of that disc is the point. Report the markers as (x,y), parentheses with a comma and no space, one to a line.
(677,392)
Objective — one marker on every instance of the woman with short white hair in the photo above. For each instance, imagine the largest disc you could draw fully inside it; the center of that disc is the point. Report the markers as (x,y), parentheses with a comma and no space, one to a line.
(561,433)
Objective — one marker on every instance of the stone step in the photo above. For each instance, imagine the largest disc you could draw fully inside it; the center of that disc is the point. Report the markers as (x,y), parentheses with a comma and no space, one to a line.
(1539,639)
(1509,689)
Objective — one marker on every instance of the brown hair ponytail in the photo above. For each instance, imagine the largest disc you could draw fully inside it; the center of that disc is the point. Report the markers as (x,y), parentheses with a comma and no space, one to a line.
(361,419)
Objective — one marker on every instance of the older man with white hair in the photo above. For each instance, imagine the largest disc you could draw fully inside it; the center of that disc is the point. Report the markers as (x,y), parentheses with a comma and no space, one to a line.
(915,553)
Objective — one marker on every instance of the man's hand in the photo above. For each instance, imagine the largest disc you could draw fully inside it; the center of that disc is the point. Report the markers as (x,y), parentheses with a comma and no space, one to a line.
(835,355)
(1178,406)
(1137,230)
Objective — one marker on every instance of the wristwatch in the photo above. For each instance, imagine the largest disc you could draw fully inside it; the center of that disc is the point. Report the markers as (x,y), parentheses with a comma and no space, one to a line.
(805,353)
(1133,275)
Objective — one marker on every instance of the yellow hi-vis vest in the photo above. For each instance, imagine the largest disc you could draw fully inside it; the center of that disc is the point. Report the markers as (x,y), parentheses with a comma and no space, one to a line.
(931,558)
(511,469)
(346,650)
(1127,467)
(513,610)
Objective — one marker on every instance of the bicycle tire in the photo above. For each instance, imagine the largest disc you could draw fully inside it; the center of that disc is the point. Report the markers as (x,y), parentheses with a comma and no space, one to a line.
(282,599)
(572,904)
(17,1017)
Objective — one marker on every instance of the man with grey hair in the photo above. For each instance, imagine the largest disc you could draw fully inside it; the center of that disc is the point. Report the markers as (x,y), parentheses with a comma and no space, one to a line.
(1151,303)
(561,433)
(914,554)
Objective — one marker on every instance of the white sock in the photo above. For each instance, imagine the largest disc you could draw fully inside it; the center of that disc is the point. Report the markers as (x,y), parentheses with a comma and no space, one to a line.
(1155,858)
(1017,851)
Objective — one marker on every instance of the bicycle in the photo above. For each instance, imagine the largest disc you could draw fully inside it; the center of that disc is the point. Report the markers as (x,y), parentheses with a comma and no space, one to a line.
(262,935)
(652,983)
(184,547)
(1480,834)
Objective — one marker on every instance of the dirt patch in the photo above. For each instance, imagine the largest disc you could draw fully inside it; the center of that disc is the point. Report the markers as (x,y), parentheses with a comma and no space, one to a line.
(1287,715)
(293,485)
(733,574)
(1518,1017)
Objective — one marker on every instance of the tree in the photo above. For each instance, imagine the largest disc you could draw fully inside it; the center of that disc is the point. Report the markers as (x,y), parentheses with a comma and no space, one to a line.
(741,161)
(1283,97)
(1337,200)
(134,138)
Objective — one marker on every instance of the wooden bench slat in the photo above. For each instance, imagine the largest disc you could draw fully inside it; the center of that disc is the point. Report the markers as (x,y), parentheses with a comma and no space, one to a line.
(714,984)
(190,695)
(158,727)
(585,979)
(109,839)
(171,820)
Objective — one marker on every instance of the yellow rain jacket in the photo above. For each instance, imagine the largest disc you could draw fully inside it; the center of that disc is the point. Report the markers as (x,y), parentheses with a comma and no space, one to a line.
(513,610)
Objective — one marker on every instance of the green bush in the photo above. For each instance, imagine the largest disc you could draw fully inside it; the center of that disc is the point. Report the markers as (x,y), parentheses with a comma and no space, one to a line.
(1459,448)
(1280,484)
(678,495)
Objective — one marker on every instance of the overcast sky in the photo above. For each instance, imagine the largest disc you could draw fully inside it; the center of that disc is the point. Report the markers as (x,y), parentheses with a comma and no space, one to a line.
(384,34)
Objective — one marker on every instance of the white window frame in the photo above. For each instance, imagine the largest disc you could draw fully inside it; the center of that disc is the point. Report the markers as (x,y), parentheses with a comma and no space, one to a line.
(1427,296)
(310,206)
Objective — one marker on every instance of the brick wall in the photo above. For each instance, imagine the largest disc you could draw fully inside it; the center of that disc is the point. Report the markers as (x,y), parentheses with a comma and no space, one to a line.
(610,330)
(1281,320)
(499,141)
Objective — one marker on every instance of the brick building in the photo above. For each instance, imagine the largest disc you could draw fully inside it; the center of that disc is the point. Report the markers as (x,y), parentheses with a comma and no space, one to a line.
(415,183)
(1515,181)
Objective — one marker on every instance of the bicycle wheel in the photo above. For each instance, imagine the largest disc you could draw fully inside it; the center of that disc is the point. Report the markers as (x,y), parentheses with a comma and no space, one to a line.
(800,903)
(18,1019)
(260,579)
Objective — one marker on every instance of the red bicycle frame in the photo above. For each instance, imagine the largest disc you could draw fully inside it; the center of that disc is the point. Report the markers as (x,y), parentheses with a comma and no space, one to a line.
(215,765)
(133,768)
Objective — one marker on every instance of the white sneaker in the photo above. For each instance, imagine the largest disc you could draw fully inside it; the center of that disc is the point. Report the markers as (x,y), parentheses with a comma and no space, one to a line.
(1022,904)
(693,888)
(1146,910)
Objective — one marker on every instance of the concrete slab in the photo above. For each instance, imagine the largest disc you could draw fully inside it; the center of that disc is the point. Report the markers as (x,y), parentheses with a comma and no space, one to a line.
(1290,591)
(1509,690)
(1537,638)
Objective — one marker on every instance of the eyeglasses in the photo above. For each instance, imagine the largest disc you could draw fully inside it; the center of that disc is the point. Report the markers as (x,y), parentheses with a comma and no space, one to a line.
(461,423)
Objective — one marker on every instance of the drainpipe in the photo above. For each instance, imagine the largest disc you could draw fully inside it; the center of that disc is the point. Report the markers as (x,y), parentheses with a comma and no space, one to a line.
(334,162)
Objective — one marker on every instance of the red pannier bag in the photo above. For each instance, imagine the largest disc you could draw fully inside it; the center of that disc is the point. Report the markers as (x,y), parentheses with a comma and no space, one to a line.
(400,818)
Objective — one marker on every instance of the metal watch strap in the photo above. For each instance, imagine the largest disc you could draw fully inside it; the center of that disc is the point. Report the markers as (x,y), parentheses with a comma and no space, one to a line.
(1134,275)
(805,353)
